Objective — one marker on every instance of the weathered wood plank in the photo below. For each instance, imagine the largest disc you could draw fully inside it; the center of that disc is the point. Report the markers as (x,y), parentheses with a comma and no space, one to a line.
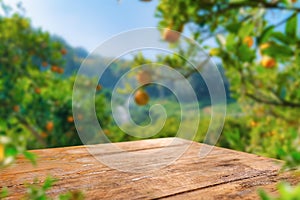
(223,174)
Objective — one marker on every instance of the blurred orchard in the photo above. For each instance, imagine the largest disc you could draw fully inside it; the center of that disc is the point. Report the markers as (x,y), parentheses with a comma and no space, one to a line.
(259,55)
(35,92)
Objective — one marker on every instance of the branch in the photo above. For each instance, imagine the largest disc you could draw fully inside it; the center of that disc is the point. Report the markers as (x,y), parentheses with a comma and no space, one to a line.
(261,5)
(196,69)
(275,103)
(260,97)
(188,74)
(248,17)
(222,30)
(286,19)
(238,5)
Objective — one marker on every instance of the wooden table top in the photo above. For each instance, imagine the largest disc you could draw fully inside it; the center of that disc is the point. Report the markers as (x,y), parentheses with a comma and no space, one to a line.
(222,174)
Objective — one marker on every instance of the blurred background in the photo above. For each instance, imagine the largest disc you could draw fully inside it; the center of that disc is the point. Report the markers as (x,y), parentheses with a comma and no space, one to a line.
(254,44)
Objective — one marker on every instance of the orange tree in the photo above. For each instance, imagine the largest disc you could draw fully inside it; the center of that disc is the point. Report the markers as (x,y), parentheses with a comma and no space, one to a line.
(35,95)
(258,44)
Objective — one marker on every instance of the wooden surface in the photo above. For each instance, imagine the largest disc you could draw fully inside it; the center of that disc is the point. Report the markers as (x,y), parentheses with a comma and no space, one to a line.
(223,174)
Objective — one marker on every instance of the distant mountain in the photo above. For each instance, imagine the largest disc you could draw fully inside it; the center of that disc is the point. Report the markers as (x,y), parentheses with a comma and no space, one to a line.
(114,72)
(74,56)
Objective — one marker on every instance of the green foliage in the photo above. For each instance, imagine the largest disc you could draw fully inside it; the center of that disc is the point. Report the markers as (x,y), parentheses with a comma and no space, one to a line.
(3,193)
(35,94)
(37,192)
(261,60)
(286,192)
(22,51)
(34,191)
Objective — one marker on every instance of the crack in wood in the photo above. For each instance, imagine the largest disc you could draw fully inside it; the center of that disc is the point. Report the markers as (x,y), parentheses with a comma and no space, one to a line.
(263,173)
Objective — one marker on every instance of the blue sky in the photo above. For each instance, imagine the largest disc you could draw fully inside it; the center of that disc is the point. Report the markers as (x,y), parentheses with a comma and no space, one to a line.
(90,22)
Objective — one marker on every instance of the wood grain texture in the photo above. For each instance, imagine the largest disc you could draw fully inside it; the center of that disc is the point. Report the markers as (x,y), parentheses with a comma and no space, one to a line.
(223,174)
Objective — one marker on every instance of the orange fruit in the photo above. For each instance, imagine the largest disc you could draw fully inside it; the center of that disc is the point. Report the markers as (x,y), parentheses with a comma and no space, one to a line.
(99,87)
(70,119)
(268,62)
(144,77)
(264,46)
(63,51)
(1,152)
(248,41)
(294,1)
(60,70)
(141,97)
(170,35)
(253,124)
(44,135)
(44,64)
(54,68)
(214,52)
(106,131)
(49,126)
(272,133)
(37,90)
(16,108)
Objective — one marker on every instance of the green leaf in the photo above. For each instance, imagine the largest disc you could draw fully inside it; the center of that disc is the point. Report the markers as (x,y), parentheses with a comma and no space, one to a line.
(48,183)
(286,2)
(3,192)
(291,27)
(246,30)
(279,51)
(266,35)
(234,27)
(260,70)
(230,42)
(296,156)
(280,152)
(280,37)
(245,54)
(263,195)
(284,190)
(11,151)
(30,156)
